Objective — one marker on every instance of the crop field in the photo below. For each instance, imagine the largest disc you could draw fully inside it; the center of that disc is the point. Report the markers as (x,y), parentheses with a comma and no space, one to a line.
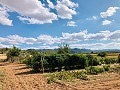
(17,76)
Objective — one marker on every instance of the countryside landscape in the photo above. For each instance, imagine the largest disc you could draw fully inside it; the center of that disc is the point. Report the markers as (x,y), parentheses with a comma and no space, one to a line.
(59,45)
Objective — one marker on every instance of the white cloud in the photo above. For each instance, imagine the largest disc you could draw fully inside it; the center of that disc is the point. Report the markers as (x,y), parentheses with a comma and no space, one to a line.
(33,10)
(69,3)
(4,20)
(50,4)
(70,38)
(92,18)
(66,9)
(115,35)
(106,22)
(46,39)
(71,23)
(98,46)
(111,11)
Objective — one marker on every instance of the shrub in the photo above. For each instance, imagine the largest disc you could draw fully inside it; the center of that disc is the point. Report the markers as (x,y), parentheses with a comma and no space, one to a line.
(67,76)
(93,61)
(106,67)
(102,54)
(108,60)
(94,70)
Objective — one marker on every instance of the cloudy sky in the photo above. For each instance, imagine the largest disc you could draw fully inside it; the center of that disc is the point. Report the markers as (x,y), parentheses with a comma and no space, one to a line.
(91,24)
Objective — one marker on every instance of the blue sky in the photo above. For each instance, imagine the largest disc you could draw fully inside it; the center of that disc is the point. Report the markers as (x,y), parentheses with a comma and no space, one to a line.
(91,24)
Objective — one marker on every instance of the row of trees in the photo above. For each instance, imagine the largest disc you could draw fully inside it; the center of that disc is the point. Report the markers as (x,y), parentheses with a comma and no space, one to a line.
(62,59)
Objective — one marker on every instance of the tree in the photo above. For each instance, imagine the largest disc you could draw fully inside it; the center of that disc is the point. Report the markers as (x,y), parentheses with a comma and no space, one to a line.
(102,54)
(119,58)
(63,49)
(12,53)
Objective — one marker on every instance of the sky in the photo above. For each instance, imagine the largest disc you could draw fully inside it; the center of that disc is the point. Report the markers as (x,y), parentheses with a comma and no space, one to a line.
(44,24)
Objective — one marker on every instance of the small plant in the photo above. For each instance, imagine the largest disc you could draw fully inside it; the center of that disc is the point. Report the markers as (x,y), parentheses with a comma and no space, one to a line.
(106,67)
(67,76)
(94,70)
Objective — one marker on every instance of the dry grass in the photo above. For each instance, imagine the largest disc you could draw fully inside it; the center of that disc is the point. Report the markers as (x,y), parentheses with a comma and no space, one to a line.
(3,56)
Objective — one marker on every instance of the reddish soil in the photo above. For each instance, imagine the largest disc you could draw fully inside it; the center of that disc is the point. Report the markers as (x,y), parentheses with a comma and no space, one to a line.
(19,77)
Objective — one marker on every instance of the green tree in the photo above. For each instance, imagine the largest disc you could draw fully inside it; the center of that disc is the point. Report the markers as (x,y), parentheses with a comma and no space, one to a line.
(13,53)
(63,48)
(102,54)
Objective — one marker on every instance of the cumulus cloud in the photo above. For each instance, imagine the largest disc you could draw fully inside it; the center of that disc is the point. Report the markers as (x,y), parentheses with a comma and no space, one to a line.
(34,12)
(71,23)
(66,9)
(46,39)
(4,20)
(70,38)
(115,35)
(50,4)
(110,12)
(106,22)
(97,46)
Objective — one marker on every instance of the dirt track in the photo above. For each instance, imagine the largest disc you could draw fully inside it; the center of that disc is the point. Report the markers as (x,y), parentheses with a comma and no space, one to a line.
(19,77)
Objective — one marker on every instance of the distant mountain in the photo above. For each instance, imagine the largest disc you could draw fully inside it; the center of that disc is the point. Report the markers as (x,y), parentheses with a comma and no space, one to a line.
(108,50)
(77,50)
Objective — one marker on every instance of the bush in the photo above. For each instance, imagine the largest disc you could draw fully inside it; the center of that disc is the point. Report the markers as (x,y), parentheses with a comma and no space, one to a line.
(34,62)
(93,61)
(108,60)
(106,67)
(102,54)
(94,70)
(67,76)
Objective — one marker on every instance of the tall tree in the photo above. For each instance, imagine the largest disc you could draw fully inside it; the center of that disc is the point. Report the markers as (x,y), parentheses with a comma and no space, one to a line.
(63,48)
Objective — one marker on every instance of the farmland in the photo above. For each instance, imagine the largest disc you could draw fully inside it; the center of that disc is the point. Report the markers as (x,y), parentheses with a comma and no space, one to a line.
(20,77)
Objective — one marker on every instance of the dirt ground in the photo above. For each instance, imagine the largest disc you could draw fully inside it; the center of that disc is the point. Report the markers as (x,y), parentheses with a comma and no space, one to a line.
(19,77)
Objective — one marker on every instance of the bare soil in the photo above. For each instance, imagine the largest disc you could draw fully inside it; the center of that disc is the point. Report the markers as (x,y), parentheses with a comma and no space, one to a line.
(19,77)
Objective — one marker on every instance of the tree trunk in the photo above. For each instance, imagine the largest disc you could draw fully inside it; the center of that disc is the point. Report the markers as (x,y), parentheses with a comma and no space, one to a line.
(42,67)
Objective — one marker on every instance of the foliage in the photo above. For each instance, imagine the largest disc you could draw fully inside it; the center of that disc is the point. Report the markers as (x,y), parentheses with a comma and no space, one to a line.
(34,62)
(63,49)
(106,67)
(108,60)
(94,70)
(67,76)
(102,54)
(12,53)
(93,61)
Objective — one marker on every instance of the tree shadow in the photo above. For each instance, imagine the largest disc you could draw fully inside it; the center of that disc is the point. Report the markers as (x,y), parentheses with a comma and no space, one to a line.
(22,68)
(27,73)
(4,63)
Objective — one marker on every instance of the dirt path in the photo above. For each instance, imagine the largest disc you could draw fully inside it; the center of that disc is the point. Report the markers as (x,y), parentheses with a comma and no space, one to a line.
(19,77)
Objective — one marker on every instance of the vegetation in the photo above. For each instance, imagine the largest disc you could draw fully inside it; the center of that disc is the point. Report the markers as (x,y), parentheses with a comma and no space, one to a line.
(13,53)
(61,62)
(102,54)
(67,76)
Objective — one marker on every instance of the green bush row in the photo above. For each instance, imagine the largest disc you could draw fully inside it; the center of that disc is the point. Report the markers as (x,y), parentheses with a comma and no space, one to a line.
(61,61)
(57,62)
